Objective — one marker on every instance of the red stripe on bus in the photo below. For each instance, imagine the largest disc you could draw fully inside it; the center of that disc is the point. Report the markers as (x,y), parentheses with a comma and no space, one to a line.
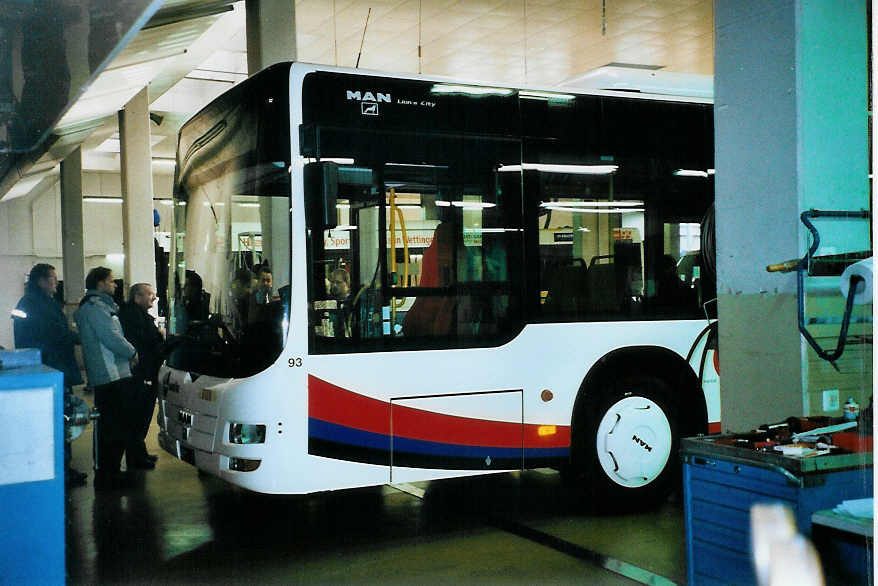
(714,427)
(337,405)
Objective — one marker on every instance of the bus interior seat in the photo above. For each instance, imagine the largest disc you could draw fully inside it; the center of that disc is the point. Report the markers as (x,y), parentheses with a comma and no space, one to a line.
(567,289)
(601,287)
(432,315)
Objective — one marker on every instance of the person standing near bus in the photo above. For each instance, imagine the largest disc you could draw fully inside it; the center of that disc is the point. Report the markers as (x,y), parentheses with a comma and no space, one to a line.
(261,297)
(140,330)
(108,357)
(38,322)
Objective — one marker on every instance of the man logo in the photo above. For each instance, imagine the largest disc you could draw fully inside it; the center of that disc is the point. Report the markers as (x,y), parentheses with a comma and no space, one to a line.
(368,96)
(642,443)
(369,108)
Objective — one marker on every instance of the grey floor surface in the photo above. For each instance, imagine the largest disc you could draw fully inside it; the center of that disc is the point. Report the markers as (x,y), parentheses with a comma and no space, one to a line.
(176,526)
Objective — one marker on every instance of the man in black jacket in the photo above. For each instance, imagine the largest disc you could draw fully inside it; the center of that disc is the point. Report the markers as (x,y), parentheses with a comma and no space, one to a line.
(38,322)
(140,329)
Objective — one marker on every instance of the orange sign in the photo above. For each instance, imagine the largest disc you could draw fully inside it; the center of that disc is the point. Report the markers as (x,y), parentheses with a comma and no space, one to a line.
(623,234)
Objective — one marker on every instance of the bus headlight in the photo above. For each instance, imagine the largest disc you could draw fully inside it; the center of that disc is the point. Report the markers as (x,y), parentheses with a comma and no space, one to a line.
(243,464)
(246,433)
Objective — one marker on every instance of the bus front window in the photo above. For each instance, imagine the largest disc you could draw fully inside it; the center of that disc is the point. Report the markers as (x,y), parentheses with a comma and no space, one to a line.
(232,273)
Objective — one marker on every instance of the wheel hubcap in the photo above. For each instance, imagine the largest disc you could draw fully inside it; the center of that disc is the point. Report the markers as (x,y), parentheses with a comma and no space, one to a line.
(634,441)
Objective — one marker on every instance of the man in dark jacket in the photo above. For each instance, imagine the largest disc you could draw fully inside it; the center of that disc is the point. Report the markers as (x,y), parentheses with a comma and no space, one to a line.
(38,322)
(140,329)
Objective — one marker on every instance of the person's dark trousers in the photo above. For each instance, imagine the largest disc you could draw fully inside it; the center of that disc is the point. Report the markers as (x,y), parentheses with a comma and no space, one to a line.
(135,452)
(116,403)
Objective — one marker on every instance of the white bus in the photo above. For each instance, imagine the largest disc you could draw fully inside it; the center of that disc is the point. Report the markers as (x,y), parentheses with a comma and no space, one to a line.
(464,279)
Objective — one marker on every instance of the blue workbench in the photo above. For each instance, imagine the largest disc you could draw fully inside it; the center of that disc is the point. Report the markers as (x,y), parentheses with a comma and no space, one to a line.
(31,476)
(721,482)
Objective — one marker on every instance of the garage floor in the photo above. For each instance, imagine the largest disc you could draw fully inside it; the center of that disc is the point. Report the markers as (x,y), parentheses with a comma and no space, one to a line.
(178,526)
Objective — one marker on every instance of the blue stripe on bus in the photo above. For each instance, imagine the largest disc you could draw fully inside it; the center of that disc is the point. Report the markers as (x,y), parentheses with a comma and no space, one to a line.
(411,446)
(317,428)
(546,453)
(325,430)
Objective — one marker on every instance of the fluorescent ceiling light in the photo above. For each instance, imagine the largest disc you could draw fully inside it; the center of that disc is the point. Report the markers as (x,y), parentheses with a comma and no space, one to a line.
(247,204)
(491,230)
(545,95)
(467,205)
(102,199)
(472,90)
(609,211)
(573,169)
(337,160)
(590,204)
(343,228)
(166,202)
(473,205)
(582,210)
(690,173)
(423,165)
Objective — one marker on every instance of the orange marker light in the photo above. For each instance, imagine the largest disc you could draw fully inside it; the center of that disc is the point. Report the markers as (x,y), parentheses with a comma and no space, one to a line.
(545,430)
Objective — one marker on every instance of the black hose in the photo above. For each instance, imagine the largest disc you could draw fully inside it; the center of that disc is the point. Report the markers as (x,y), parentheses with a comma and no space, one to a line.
(802,267)
(711,338)
(708,241)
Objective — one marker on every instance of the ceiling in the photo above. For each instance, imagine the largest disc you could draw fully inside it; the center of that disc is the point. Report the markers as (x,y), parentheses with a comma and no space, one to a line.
(190,51)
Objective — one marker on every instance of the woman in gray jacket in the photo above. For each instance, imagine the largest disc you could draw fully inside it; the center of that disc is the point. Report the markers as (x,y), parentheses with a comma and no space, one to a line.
(107,356)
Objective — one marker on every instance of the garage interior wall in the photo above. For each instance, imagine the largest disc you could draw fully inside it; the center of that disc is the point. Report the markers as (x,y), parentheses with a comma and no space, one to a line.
(791,125)
(30,231)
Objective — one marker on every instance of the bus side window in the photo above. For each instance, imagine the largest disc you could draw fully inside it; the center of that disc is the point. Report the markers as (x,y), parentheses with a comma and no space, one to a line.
(434,315)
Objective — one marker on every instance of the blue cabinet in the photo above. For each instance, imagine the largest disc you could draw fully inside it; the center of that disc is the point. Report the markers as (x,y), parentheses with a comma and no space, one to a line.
(31,476)
(721,482)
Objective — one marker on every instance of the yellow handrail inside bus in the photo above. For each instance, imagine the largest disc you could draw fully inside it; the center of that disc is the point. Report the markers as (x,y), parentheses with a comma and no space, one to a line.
(395,213)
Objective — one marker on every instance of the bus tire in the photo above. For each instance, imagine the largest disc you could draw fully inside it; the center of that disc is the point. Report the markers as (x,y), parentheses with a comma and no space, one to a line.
(626,442)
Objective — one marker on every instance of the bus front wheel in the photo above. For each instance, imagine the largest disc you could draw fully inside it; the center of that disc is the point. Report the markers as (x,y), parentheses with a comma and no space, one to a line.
(626,442)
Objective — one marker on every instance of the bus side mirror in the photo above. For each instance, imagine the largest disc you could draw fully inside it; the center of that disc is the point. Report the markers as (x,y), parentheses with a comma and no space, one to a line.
(321,194)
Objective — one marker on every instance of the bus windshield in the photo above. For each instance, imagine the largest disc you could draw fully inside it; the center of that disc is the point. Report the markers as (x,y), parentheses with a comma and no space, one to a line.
(231,246)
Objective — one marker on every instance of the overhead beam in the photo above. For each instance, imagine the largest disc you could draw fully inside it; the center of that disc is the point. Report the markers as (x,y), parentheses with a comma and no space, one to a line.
(190,11)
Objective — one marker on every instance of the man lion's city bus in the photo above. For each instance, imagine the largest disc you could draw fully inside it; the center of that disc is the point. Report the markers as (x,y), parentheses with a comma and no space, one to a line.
(385,279)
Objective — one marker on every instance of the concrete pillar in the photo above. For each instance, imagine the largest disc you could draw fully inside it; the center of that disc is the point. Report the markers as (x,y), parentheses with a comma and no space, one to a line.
(271,33)
(790,123)
(137,191)
(271,38)
(73,258)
